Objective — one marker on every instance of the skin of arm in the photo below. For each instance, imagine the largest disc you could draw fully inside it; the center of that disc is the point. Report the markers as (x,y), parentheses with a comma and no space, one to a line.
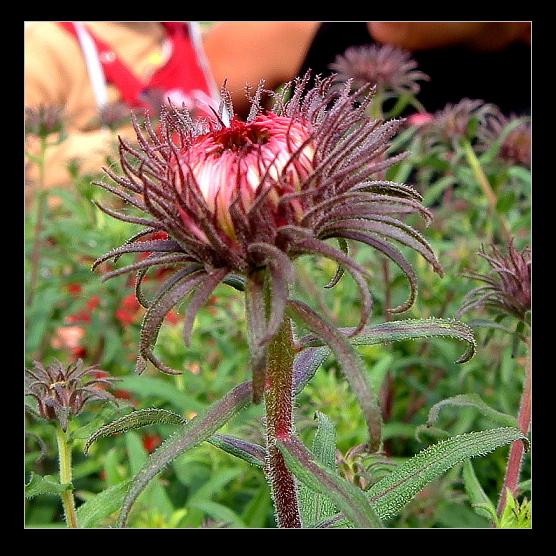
(244,52)
(56,74)
(427,35)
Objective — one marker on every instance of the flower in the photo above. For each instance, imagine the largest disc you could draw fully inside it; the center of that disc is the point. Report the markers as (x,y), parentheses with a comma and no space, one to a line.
(388,67)
(419,118)
(62,391)
(256,194)
(457,121)
(114,115)
(128,310)
(515,148)
(151,442)
(508,288)
(43,120)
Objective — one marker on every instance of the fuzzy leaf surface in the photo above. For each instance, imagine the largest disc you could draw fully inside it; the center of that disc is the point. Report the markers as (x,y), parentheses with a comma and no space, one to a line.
(305,366)
(48,484)
(135,420)
(471,400)
(192,434)
(480,502)
(389,495)
(315,507)
(346,497)
(252,453)
(410,329)
(92,512)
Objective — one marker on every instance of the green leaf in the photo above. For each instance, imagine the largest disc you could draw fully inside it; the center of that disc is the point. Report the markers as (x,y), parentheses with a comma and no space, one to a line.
(155,495)
(193,433)
(351,364)
(480,502)
(436,189)
(472,400)
(114,472)
(92,512)
(315,507)
(522,174)
(256,512)
(48,484)
(252,453)
(135,420)
(148,386)
(410,329)
(349,499)
(219,513)
(389,495)
(516,515)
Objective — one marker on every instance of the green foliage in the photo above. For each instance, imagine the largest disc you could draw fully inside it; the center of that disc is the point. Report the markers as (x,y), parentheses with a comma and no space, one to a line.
(315,507)
(93,512)
(38,485)
(346,497)
(516,515)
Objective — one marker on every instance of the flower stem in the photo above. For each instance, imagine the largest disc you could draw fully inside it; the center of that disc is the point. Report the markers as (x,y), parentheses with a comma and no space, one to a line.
(64,455)
(279,425)
(480,176)
(41,209)
(515,459)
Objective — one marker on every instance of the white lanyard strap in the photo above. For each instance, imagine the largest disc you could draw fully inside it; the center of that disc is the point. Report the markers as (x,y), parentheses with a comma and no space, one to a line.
(94,67)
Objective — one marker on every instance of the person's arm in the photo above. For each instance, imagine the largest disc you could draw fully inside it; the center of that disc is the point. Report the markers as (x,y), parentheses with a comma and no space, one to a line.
(55,75)
(244,53)
(421,35)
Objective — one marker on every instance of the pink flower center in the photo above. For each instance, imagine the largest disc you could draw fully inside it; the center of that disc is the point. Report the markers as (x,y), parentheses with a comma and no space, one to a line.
(248,157)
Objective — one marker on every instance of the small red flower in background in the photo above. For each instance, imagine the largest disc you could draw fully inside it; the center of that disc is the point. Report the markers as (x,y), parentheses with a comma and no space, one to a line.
(151,442)
(74,288)
(419,119)
(128,310)
(81,316)
(123,395)
(172,317)
(79,352)
(93,303)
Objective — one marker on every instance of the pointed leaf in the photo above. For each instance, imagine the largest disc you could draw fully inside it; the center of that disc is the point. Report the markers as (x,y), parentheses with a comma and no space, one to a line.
(389,495)
(252,453)
(247,451)
(193,433)
(347,497)
(305,366)
(410,329)
(92,512)
(480,502)
(472,400)
(315,507)
(44,485)
(135,420)
(350,363)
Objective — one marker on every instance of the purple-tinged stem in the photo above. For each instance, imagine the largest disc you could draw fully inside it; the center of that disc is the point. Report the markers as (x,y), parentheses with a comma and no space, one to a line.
(279,425)
(515,459)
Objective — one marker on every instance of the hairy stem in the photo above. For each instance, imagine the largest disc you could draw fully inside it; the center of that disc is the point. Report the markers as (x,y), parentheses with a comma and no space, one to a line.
(279,424)
(515,459)
(64,455)
(41,209)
